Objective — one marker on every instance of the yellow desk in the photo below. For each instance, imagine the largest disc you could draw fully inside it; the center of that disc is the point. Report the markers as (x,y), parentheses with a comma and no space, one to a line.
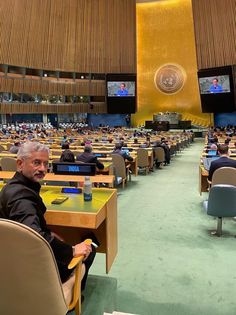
(7,154)
(74,218)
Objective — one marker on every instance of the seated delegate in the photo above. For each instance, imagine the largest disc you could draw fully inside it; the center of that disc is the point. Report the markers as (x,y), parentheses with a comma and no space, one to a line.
(67,155)
(88,157)
(20,201)
(223,161)
(124,154)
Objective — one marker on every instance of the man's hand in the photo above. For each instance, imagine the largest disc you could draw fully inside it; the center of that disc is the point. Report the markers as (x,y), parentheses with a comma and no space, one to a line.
(82,249)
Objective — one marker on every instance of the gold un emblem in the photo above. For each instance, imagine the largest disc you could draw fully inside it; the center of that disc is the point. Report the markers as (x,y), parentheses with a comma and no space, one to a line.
(170,78)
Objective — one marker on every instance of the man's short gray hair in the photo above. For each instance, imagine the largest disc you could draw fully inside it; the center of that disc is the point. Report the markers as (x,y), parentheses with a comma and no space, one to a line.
(28,148)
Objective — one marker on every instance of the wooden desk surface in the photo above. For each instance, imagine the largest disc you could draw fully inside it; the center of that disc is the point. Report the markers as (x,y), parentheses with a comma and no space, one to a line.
(75,211)
(75,217)
(203,183)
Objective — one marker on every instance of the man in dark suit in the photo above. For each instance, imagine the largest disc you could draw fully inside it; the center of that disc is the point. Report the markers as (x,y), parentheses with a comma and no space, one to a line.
(124,154)
(88,157)
(223,161)
(67,155)
(20,201)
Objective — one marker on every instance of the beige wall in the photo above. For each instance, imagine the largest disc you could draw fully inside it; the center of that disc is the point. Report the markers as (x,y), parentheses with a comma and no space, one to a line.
(165,34)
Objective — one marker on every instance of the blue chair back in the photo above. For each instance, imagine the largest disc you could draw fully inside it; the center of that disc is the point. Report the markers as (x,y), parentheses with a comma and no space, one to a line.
(222,201)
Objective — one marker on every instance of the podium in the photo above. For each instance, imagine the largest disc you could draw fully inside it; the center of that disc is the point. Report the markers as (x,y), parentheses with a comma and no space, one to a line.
(157,125)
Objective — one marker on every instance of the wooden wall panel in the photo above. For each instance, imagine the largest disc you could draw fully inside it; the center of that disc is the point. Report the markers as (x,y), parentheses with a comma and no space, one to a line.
(36,87)
(45,87)
(6,85)
(82,87)
(73,35)
(69,88)
(27,87)
(215,32)
(97,88)
(45,108)
(52,87)
(7,12)
(18,86)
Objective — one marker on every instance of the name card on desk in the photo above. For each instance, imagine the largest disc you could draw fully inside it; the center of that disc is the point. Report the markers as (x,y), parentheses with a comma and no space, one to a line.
(63,168)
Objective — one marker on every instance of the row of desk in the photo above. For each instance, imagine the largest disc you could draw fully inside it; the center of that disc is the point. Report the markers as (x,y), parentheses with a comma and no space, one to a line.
(50,177)
(107,161)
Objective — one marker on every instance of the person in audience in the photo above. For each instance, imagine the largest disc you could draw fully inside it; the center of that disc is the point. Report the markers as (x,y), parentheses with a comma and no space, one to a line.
(88,157)
(147,144)
(165,146)
(85,142)
(20,201)
(124,154)
(67,155)
(128,120)
(215,139)
(213,146)
(223,161)
(15,148)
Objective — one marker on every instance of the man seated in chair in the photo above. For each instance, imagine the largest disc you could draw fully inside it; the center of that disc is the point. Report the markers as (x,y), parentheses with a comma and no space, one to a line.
(123,153)
(15,148)
(88,157)
(67,155)
(223,161)
(20,201)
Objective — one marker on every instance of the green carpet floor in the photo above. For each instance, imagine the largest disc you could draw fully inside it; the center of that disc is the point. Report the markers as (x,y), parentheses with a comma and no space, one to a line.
(167,263)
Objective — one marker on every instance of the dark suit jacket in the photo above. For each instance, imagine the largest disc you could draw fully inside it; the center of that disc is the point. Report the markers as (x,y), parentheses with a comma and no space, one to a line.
(223,161)
(90,158)
(20,201)
(67,156)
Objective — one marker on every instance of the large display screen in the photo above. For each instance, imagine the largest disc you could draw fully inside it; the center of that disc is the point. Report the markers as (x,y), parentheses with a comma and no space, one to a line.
(216,87)
(120,88)
(214,84)
(121,93)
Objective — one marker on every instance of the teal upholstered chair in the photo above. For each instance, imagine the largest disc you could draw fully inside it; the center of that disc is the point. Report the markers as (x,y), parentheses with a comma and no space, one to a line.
(221,203)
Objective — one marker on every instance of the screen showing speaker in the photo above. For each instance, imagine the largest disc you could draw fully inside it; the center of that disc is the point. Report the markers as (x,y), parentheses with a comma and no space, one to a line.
(120,88)
(215,84)
(216,87)
(121,93)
